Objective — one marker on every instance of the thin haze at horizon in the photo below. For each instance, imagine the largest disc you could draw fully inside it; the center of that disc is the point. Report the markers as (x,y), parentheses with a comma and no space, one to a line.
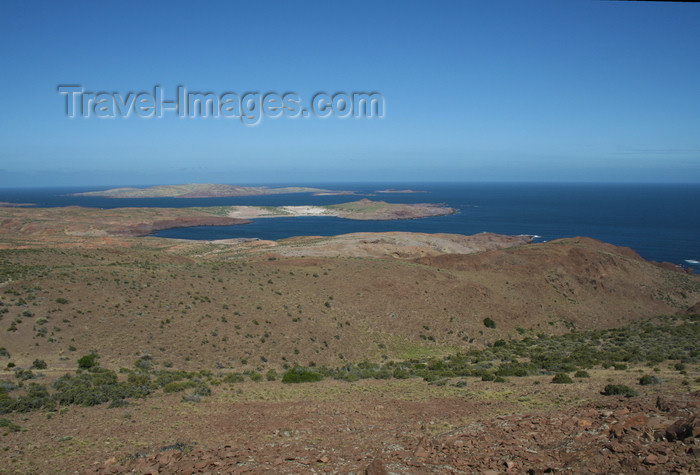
(596,91)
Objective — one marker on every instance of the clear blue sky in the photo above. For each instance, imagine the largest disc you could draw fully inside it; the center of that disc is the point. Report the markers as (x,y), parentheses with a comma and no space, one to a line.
(518,90)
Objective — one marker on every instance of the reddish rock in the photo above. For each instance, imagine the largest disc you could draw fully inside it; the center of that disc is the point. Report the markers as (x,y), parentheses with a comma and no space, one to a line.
(376,468)
(421,450)
(636,421)
(663,404)
(201,465)
(583,423)
(681,429)
(617,447)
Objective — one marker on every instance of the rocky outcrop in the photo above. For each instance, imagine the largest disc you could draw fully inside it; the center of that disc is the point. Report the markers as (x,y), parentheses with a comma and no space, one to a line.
(647,435)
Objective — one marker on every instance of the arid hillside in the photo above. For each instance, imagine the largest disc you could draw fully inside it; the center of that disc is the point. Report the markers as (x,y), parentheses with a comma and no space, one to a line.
(203,305)
(395,352)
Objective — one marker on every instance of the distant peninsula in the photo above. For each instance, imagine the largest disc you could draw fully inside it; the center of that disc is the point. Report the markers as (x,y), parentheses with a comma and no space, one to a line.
(197,190)
(29,226)
(363,209)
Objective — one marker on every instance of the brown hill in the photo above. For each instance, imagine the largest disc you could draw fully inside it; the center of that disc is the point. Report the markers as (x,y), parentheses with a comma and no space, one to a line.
(201,305)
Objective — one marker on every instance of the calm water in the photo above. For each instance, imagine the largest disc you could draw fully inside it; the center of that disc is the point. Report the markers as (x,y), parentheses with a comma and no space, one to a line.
(661,222)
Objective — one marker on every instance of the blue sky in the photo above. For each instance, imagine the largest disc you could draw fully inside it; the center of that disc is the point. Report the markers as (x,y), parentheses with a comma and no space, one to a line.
(474,91)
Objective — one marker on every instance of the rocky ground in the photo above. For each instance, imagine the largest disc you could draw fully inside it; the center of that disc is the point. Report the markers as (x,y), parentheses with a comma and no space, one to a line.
(651,434)
(399,245)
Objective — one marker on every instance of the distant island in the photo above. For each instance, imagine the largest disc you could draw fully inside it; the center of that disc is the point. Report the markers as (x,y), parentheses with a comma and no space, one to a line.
(5,204)
(334,193)
(394,190)
(212,190)
(196,190)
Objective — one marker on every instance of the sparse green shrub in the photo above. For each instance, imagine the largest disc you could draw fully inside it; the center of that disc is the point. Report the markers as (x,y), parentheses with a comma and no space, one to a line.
(516,369)
(299,374)
(619,389)
(233,378)
(165,377)
(4,352)
(191,397)
(582,374)
(648,379)
(144,363)
(255,376)
(7,404)
(350,377)
(9,426)
(37,397)
(39,364)
(271,375)
(562,378)
(88,361)
(202,390)
(489,323)
(139,379)
(401,373)
(96,387)
(61,300)
(23,374)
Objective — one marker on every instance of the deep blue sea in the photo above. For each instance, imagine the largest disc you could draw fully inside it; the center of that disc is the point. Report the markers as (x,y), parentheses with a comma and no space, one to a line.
(661,222)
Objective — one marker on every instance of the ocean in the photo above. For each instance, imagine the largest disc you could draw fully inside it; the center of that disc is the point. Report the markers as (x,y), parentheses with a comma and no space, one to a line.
(659,221)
